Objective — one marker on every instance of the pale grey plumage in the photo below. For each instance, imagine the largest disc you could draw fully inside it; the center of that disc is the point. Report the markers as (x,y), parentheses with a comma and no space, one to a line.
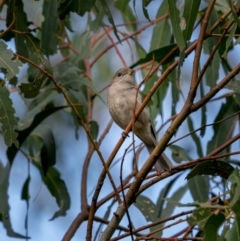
(121,102)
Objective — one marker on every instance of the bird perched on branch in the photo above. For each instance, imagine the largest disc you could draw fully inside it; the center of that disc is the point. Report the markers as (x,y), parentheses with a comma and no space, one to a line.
(122,99)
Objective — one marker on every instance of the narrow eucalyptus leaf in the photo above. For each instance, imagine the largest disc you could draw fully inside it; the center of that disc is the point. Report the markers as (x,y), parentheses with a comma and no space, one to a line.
(7,118)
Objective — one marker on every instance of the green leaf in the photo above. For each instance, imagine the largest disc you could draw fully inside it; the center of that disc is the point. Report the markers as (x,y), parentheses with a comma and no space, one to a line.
(179,154)
(220,168)
(127,14)
(212,72)
(82,42)
(57,188)
(110,18)
(161,32)
(145,12)
(229,41)
(234,178)
(234,232)
(235,16)
(7,118)
(8,62)
(177,195)
(31,90)
(25,190)
(158,55)
(38,104)
(48,149)
(4,206)
(190,14)
(207,221)
(36,54)
(79,7)
(236,225)
(146,206)
(175,20)
(79,105)
(22,135)
(194,136)
(199,188)
(199,217)
(94,129)
(204,116)
(223,131)
(160,202)
(207,204)
(16,13)
(49,27)
(212,226)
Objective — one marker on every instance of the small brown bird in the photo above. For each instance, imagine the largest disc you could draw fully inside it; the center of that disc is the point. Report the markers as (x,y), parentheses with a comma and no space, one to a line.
(121,103)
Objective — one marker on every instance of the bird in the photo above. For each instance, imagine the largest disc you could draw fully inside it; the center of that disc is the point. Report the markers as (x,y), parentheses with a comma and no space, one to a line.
(122,97)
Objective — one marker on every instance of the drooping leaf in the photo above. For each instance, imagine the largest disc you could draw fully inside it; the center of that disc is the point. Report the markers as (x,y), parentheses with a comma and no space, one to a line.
(175,20)
(207,221)
(4,206)
(146,206)
(7,118)
(145,12)
(16,14)
(199,188)
(179,154)
(36,53)
(190,14)
(212,72)
(160,201)
(22,135)
(48,149)
(220,168)
(229,42)
(235,16)
(79,7)
(36,76)
(207,204)
(126,12)
(83,44)
(31,90)
(234,178)
(204,115)
(94,129)
(25,190)
(49,27)
(164,193)
(223,130)
(199,217)
(161,32)
(212,226)
(57,188)
(235,232)
(8,63)
(177,195)
(110,18)
(195,137)
(157,55)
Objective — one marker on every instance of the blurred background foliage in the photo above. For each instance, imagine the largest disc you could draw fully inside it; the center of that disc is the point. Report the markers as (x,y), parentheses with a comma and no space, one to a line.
(57,59)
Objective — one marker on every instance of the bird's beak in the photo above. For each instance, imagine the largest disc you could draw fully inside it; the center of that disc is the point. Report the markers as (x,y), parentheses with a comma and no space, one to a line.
(131,72)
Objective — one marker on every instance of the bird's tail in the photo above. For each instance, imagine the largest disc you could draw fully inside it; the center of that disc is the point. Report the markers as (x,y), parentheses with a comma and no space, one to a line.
(163,162)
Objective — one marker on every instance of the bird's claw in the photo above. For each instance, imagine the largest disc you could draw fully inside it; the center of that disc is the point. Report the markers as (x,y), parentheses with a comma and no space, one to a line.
(124,134)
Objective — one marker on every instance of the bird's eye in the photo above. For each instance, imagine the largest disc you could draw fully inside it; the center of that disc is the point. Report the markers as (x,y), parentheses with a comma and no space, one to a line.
(119,74)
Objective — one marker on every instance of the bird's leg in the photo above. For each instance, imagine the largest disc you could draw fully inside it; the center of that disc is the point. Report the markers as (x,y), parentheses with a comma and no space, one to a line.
(124,135)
